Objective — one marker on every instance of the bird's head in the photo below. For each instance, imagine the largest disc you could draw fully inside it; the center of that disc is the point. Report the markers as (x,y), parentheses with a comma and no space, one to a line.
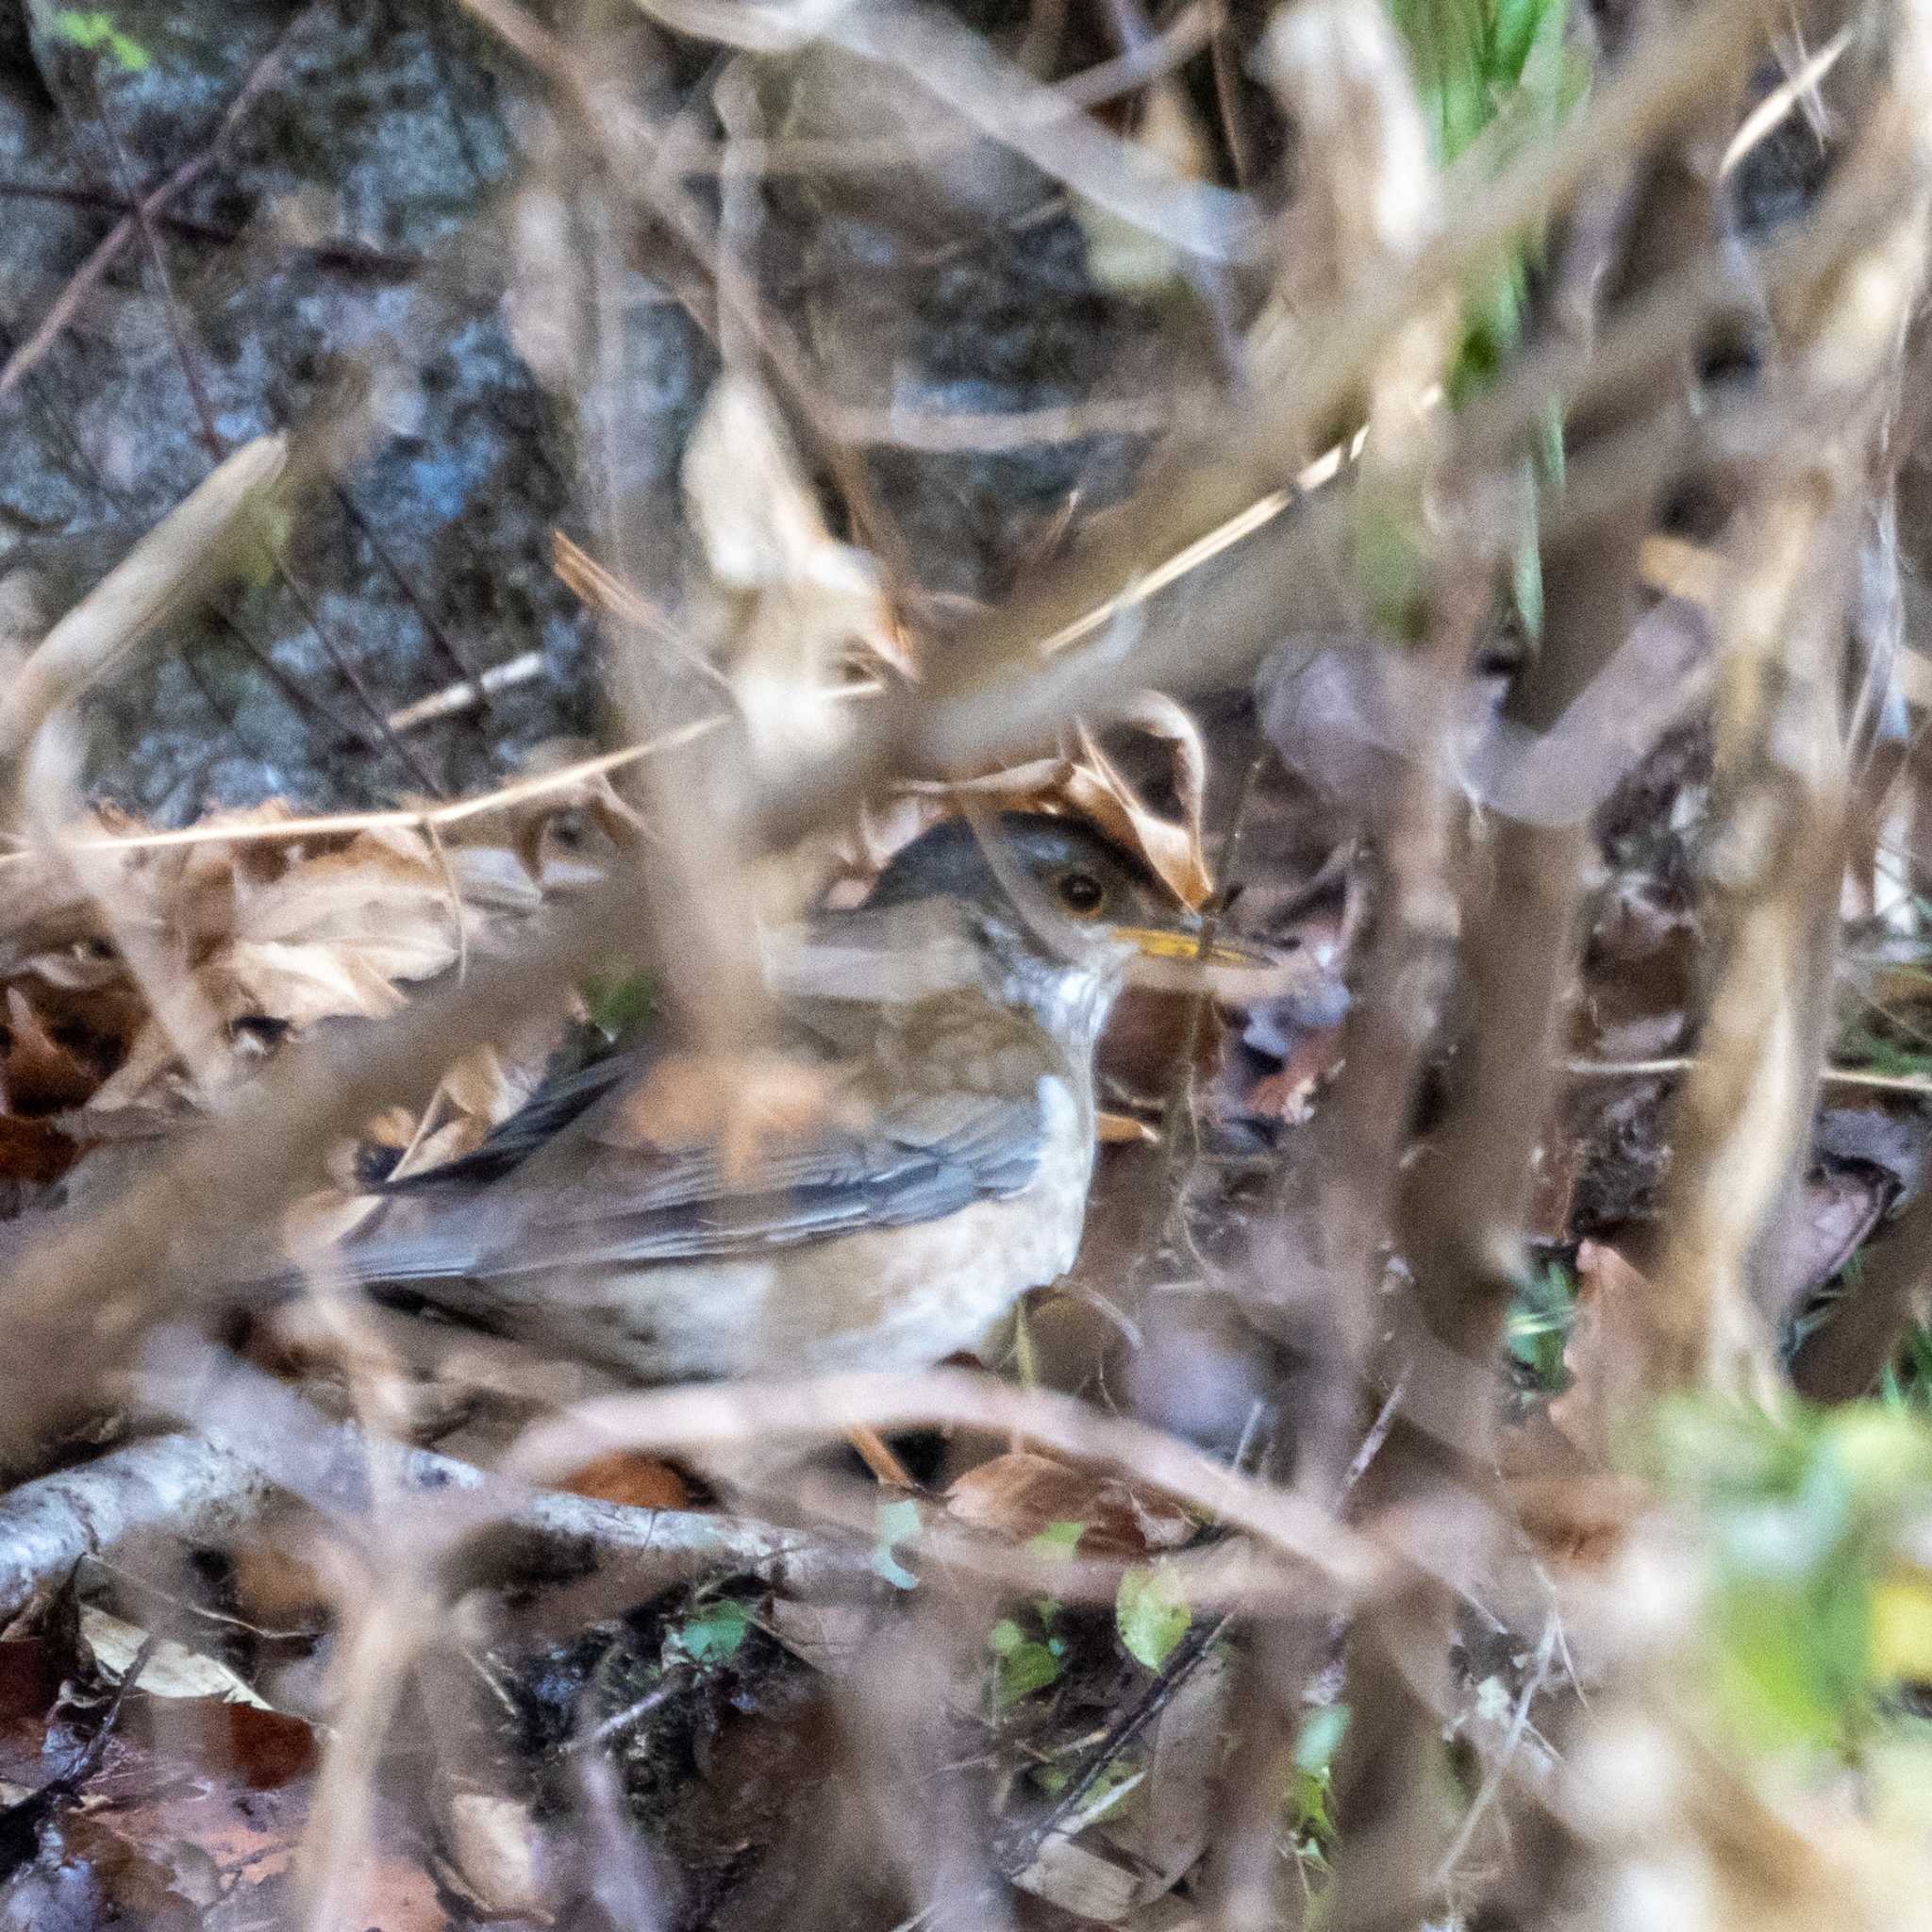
(1058,911)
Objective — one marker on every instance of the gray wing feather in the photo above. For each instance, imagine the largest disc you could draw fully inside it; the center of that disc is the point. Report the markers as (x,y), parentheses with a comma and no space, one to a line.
(920,1157)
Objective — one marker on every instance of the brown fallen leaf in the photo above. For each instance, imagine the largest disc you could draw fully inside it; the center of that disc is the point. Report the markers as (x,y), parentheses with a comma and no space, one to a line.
(37,1074)
(31,1670)
(1289,1093)
(1575,1516)
(794,609)
(34,1151)
(639,1482)
(1020,1494)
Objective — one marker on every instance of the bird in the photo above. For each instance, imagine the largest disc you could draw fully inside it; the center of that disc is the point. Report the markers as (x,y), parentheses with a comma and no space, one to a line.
(950,1022)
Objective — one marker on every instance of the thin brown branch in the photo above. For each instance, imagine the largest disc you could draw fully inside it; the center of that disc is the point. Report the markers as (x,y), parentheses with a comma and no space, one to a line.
(1744,1112)
(695,1418)
(111,245)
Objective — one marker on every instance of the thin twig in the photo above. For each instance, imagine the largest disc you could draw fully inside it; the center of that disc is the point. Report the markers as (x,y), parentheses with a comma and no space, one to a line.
(438,817)
(522,669)
(109,249)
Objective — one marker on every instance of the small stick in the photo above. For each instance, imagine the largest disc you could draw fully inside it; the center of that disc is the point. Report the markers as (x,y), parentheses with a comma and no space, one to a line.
(466,695)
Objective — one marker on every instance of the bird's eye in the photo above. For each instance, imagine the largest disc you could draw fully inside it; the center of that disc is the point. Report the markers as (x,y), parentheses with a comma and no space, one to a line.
(1082,893)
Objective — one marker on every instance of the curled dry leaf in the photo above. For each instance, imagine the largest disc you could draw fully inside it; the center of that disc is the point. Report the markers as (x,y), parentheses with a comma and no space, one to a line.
(797,610)
(1080,781)
(478,1093)
(269,934)
(325,936)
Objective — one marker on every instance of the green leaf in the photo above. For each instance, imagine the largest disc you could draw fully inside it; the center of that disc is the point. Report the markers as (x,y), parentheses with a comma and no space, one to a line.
(1151,1615)
(1801,1515)
(1315,1746)
(622,999)
(1539,1325)
(1057,1540)
(714,1634)
(95,33)
(1005,1637)
(1023,1669)
(1499,71)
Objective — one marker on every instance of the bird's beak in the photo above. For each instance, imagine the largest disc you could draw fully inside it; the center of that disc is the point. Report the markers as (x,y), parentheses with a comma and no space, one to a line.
(1172,960)
(1163,942)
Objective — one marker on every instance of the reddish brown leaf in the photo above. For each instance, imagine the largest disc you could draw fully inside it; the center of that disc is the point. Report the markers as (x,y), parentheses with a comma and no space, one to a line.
(1021,1494)
(42,1076)
(639,1482)
(1288,1093)
(34,1150)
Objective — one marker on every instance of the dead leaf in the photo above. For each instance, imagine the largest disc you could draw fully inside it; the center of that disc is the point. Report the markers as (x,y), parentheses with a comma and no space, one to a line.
(299,986)
(31,1669)
(317,1222)
(795,605)
(275,1588)
(1573,1515)
(639,1482)
(1831,1219)
(1084,782)
(1020,1494)
(498,1849)
(831,1638)
(40,1074)
(1166,1825)
(1172,848)
(1289,1093)
(34,1151)
(172,1670)
(1091,1882)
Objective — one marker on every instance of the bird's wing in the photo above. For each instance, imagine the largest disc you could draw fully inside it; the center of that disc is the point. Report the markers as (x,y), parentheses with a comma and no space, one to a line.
(917,1157)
